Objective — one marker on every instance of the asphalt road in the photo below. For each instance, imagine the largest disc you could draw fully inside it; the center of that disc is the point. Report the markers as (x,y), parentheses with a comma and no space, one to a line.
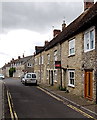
(32,102)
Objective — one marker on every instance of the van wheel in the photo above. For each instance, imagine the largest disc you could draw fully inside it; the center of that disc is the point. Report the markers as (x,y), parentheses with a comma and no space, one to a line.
(36,83)
(25,83)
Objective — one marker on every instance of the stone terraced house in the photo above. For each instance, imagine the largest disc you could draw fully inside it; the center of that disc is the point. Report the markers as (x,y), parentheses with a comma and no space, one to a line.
(76,50)
(21,65)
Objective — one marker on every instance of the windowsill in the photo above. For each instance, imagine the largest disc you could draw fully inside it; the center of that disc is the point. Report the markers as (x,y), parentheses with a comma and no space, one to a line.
(70,85)
(89,50)
(71,55)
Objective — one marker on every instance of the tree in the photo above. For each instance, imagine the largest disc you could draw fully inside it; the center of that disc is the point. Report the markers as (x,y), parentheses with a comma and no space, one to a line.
(11,71)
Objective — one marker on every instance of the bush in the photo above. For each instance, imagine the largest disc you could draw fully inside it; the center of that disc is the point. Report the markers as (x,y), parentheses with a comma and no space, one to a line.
(11,71)
(63,89)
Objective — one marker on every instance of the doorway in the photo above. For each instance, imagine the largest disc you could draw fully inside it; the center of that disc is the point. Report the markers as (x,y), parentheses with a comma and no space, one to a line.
(88,84)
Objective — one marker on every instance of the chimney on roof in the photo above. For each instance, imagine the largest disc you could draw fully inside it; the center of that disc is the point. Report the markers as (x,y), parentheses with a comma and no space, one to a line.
(88,4)
(19,57)
(63,25)
(12,59)
(23,55)
(56,32)
(46,42)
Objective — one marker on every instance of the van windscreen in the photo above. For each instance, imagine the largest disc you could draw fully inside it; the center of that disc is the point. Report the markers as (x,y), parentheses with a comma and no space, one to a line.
(33,76)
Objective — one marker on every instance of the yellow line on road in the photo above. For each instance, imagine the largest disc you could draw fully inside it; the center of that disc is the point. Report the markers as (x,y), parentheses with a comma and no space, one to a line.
(78,110)
(50,94)
(10,108)
(12,113)
(15,115)
(70,106)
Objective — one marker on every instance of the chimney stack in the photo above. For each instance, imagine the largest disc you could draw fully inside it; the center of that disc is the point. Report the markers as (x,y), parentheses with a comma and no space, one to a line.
(56,32)
(19,57)
(63,25)
(23,55)
(46,43)
(88,4)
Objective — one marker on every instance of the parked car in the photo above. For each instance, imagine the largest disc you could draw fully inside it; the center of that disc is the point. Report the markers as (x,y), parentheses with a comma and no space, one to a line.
(2,76)
(29,78)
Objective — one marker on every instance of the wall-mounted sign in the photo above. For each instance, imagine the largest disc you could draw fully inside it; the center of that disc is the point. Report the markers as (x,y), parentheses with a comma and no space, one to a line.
(57,64)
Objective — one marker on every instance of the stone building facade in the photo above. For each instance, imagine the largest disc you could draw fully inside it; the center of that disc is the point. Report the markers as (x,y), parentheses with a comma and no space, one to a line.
(21,65)
(75,47)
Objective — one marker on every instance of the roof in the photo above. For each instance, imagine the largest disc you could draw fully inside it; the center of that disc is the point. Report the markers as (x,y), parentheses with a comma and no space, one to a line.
(85,20)
(38,49)
(20,60)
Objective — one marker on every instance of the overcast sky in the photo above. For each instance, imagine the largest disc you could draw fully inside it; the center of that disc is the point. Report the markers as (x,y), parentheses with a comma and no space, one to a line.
(24,25)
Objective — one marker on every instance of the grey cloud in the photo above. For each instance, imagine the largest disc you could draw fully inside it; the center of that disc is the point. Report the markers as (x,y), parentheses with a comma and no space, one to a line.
(38,17)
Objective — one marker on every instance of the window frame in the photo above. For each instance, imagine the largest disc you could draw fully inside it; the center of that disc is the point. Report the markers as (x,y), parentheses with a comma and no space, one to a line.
(42,59)
(69,81)
(85,40)
(48,58)
(70,42)
(55,55)
(29,64)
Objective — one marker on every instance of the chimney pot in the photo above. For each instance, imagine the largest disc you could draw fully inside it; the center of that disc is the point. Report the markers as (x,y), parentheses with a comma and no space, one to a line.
(63,25)
(56,32)
(46,43)
(19,57)
(88,4)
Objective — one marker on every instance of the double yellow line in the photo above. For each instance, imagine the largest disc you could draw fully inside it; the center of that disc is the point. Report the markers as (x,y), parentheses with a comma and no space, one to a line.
(12,112)
(70,106)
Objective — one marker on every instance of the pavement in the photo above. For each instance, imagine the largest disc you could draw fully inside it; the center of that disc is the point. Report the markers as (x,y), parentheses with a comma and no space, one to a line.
(80,102)
(1,99)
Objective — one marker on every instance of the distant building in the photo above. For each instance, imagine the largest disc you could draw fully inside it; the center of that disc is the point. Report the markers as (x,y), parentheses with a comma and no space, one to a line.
(22,65)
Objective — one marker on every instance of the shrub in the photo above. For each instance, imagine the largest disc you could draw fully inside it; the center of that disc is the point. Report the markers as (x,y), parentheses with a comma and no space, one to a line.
(11,71)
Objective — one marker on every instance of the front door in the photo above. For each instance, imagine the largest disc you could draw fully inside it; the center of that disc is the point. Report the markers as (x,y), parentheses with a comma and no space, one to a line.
(52,78)
(88,85)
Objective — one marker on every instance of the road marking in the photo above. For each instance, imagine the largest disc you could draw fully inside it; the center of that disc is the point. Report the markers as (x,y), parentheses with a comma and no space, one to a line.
(50,94)
(78,110)
(70,106)
(12,113)
(15,115)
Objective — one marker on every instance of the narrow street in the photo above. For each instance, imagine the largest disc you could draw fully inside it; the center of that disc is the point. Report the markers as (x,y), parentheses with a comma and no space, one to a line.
(32,102)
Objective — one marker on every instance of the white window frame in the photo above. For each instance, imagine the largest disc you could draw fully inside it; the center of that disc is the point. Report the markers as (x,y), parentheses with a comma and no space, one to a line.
(89,40)
(55,55)
(39,60)
(69,81)
(35,61)
(55,76)
(48,58)
(72,46)
(29,65)
(42,60)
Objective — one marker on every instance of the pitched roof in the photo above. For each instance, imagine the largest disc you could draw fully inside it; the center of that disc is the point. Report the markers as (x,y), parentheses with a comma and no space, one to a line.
(20,60)
(85,20)
(38,49)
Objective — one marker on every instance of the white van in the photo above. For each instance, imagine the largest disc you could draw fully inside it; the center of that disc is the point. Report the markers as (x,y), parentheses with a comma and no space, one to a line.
(29,78)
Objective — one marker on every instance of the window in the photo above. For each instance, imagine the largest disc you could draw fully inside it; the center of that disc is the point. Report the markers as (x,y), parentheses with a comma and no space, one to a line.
(29,65)
(55,75)
(39,60)
(71,76)
(42,59)
(35,61)
(89,40)
(47,74)
(55,55)
(72,47)
(48,57)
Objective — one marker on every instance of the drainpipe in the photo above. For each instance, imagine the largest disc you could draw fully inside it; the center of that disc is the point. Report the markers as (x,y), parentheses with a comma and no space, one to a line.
(60,68)
(40,67)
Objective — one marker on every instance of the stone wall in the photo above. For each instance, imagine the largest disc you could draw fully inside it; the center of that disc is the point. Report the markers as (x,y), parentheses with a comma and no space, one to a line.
(73,62)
